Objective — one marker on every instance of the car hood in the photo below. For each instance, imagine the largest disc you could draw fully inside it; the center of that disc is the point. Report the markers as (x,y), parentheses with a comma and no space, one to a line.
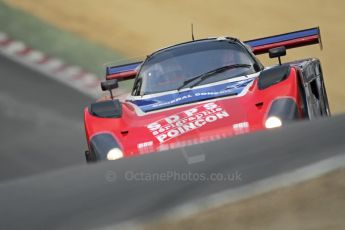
(184,125)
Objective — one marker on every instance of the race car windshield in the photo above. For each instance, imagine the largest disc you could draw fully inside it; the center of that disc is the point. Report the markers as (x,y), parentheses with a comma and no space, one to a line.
(171,68)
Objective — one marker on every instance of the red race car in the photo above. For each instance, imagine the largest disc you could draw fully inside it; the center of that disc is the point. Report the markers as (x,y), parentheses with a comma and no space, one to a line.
(204,90)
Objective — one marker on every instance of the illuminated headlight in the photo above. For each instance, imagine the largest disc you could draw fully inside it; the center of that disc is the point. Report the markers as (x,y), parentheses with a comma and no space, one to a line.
(114,154)
(273,122)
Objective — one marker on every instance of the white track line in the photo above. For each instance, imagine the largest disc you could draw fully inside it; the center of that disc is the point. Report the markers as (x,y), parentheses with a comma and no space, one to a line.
(14,47)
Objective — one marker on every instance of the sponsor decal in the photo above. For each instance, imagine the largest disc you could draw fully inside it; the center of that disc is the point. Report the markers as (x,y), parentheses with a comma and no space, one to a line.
(186,121)
(145,144)
(241,128)
(194,141)
(231,89)
(145,147)
(192,95)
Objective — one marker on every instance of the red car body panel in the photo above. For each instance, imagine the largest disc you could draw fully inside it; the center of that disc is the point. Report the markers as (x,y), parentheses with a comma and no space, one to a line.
(224,117)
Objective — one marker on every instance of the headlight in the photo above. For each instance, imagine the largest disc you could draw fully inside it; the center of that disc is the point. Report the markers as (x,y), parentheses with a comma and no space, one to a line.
(273,122)
(114,154)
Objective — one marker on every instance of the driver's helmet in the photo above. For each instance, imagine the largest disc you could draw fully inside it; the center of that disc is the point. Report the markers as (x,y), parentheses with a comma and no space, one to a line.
(153,76)
(155,72)
(164,74)
(230,57)
(172,66)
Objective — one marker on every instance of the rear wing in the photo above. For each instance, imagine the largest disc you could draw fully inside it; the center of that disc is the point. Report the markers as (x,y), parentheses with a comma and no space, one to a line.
(123,72)
(259,46)
(289,40)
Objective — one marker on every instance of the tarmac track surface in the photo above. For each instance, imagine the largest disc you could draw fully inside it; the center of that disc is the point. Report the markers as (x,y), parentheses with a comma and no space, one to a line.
(41,123)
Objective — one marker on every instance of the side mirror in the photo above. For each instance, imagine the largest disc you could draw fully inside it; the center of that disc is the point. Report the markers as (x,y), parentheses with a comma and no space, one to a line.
(109,85)
(277,52)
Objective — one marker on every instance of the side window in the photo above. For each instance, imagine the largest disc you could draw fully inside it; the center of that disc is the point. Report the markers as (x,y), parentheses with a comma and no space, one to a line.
(314,89)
